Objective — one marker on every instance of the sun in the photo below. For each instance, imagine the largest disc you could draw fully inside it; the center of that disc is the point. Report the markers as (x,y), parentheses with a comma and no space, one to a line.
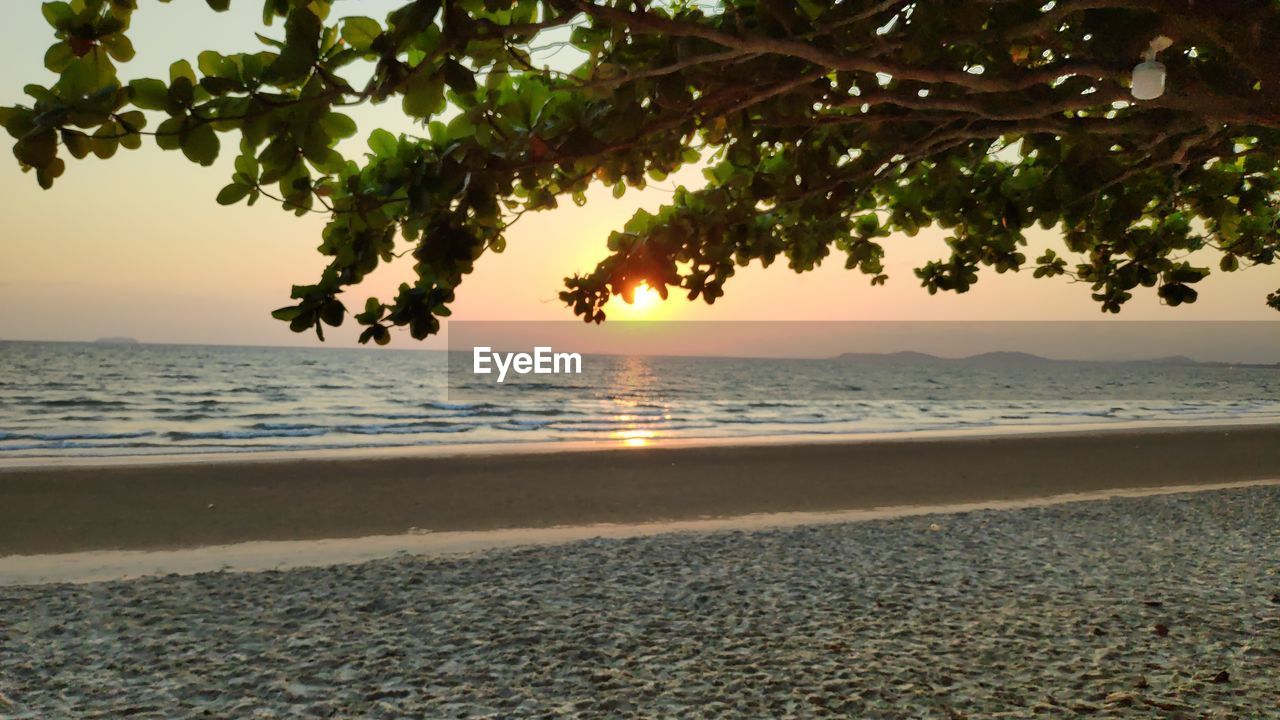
(644,302)
(645,298)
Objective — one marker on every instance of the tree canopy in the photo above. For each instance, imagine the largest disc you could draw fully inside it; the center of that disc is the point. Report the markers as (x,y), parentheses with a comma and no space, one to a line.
(820,126)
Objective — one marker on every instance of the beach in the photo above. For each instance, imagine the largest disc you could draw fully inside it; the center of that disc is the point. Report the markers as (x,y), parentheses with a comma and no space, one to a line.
(1115,574)
(1163,606)
(59,508)
(640,361)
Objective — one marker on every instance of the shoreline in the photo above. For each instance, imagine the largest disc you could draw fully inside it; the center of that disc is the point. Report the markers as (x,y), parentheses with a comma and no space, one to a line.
(540,447)
(278,555)
(49,510)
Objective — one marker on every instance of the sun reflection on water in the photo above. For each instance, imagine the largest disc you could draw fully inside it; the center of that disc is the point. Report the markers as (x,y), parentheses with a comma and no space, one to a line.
(636,437)
(635,381)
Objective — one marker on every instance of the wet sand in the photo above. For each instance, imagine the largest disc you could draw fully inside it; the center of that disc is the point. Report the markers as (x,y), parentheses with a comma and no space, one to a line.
(154,506)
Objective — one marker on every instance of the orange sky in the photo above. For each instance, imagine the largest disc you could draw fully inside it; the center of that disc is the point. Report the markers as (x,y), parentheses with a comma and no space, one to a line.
(138,247)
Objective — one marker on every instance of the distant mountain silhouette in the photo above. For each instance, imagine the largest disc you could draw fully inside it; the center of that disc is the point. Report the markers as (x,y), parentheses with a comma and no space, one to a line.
(903,356)
(1007,358)
(988,358)
(1174,360)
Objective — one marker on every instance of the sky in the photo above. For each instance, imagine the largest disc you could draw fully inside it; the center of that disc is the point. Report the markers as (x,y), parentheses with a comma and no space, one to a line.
(137,246)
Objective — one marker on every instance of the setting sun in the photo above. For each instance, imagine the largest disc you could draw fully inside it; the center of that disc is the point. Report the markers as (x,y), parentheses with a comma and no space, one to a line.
(645,301)
(645,298)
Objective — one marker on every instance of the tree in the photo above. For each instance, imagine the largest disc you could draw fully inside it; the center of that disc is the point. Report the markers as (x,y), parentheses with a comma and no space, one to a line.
(821,126)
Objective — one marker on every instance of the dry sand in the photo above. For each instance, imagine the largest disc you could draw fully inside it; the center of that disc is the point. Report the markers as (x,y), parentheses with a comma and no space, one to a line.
(1153,607)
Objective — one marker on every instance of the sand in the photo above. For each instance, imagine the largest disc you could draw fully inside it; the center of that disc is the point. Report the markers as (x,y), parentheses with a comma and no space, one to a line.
(152,506)
(1155,607)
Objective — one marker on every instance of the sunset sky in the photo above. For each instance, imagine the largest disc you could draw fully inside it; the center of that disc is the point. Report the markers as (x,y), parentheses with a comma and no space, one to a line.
(137,246)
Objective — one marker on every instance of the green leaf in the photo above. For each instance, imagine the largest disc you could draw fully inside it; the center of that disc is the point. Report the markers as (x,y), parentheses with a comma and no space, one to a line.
(424,95)
(377,333)
(337,125)
(810,8)
(41,94)
(213,64)
(461,127)
(287,313)
(459,78)
(81,77)
(247,165)
(149,94)
(181,94)
(233,193)
(383,143)
(268,41)
(302,31)
(537,96)
(77,143)
(200,145)
(182,69)
(219,86)
(169,134)
(360,32)
(58,14)
(119,47)
(58,57)
(46,174)
(219,5)
(37,149)
(333,313)
(106,141)
(17,121)
(132,121)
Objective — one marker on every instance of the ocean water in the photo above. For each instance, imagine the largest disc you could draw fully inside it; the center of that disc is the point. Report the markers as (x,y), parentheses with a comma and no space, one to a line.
(89,400)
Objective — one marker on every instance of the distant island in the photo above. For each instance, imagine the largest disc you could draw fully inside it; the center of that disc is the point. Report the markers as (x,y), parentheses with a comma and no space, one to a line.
(1011,358)
(116,341)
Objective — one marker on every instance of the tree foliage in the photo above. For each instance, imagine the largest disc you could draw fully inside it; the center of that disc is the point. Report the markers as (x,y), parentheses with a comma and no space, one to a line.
(821,126)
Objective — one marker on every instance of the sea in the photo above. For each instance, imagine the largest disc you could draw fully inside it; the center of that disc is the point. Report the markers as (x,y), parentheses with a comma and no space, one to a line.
(90,400)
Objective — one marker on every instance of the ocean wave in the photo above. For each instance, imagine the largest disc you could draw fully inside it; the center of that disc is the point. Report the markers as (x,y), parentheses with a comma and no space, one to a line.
(182,435)
(80,445)
(548,412)
(606,426)
(616,422)
(56,437)
(519,426)
(786,420)
(405,428)
(181,414)
(286,426)
(80,402)
(482,412)
(441,405)
(27,446)
(534,385)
